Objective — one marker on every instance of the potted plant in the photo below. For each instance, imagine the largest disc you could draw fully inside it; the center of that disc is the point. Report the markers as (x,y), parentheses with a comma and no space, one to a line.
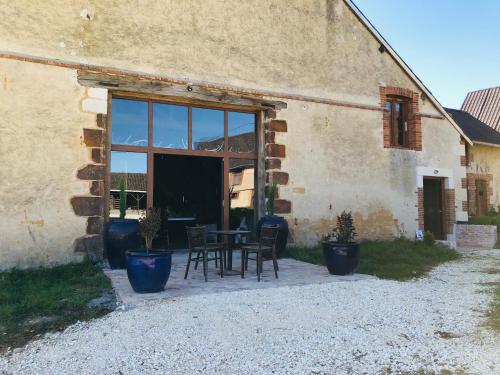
(148,271)
(272,219)
(121,234)
(339,249)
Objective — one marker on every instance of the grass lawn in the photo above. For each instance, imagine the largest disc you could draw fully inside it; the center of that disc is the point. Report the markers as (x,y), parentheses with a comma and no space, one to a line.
(35,301)
(494,313)
(400,259)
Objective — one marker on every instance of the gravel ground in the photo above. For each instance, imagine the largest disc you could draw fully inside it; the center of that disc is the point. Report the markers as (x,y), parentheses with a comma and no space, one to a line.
(362,327)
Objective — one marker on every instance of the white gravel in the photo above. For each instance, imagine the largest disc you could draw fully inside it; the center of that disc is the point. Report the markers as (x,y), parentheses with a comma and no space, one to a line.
(363,327)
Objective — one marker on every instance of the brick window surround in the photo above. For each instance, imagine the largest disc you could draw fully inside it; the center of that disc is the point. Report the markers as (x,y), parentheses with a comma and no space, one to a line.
(414,117)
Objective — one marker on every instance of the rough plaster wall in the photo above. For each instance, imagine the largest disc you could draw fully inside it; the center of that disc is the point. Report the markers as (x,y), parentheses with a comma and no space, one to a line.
(311,47)
(486,160)
(336,162)
(40,151)
(314,47)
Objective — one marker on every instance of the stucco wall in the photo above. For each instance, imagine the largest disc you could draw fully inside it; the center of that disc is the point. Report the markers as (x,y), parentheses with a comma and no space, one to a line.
(40,151)
(336,162)
(335,155)
(486,160)
(312,47)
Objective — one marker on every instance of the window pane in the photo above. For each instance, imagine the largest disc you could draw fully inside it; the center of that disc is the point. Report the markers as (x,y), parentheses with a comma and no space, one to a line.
(208,129)
(170,126)
(401,124)
(242,195)
(241,128)
(132,168)
(130,122)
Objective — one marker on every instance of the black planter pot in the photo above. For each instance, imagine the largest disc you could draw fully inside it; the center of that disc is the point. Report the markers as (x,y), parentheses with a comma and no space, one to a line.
(148,273)
(121,235)
(341,259)
(282,232)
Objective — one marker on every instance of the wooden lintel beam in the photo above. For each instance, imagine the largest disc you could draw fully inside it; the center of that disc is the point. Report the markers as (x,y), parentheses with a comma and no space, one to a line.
(174,92)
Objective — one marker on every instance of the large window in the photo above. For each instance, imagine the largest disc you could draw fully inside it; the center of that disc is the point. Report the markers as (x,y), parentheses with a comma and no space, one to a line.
(129,169)
(144,130)
(170,126)
(130,122)
(398,112)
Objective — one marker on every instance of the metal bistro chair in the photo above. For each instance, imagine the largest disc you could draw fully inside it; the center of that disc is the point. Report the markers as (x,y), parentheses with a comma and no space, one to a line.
(197,243)
(266,244)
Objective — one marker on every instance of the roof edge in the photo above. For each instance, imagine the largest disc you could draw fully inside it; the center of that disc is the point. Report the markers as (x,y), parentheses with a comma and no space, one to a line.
(403,65)
(486,144)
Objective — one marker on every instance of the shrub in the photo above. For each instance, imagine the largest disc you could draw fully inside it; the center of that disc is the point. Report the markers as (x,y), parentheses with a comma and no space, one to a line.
(429,238)
(123,198)
(271,194)
(345,231)
(149,226)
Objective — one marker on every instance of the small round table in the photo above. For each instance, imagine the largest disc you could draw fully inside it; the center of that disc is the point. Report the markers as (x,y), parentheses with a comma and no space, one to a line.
(228,244)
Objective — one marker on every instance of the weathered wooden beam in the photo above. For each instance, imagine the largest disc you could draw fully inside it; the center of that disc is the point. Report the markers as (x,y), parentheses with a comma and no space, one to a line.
(170,91)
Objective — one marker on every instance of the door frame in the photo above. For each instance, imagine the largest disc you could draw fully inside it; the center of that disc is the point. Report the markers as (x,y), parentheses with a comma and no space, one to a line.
(150,150)
(442,182)
(477,198)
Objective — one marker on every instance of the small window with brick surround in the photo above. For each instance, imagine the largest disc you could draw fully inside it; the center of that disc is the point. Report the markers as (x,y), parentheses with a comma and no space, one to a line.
(402,120)
(398,120)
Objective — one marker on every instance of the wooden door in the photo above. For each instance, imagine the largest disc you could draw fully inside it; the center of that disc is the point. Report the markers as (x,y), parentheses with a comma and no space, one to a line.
(434,207)
(481,197)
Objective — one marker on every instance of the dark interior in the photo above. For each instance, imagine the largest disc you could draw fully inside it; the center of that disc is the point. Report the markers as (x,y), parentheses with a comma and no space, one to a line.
(433,207)
(189,190)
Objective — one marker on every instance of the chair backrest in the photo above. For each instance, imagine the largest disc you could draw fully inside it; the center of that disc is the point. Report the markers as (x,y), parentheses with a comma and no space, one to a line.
(268,235)
(197,236)
(211,237)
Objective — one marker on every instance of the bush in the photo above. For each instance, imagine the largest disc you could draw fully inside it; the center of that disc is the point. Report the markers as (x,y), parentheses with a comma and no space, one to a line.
(429,238)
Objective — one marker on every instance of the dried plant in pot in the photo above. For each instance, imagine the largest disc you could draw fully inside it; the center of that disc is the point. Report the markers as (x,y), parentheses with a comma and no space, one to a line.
(148,271)
(120,233)
(340,250)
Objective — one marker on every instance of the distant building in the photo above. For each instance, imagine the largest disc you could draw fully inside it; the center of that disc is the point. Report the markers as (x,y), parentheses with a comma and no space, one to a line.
(484,105)
(479,119)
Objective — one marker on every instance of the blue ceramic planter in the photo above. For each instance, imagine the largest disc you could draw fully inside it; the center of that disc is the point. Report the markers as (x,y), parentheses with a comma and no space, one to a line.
(121,235)
(341,259)
(148,273)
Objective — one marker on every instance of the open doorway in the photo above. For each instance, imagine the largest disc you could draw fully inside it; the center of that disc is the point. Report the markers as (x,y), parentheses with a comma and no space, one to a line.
(434,206)
(188,189)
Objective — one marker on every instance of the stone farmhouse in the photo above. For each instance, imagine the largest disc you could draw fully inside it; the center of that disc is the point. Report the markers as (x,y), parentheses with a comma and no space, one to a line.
(328,110)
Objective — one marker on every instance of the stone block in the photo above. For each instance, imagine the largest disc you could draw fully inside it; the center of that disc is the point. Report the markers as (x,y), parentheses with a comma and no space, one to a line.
(92,172)
(94,225)
(93,137)
(277,126)
(88,206)
(273,164)
(276,151)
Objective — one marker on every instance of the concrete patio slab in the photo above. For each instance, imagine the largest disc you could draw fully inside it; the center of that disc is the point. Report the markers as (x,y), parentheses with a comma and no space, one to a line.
(291,273)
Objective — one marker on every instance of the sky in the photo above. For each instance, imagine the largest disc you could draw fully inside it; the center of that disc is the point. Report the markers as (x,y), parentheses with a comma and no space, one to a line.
(453,46)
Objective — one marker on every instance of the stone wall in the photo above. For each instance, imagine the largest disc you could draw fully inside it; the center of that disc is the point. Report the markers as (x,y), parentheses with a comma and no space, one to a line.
(325,150)
(45,156)
(476,236)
